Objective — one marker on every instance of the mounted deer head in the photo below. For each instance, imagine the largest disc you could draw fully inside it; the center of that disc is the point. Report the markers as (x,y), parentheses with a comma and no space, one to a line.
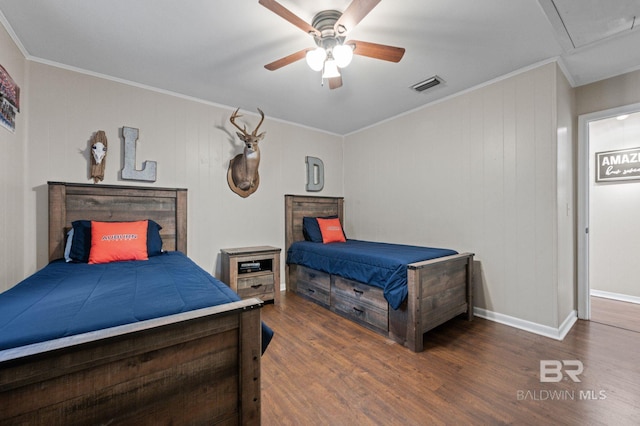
(242,174)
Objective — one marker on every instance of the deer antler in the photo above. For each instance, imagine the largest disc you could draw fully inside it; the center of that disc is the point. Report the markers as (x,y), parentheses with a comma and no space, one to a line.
(233,121)
(255,132)
(244,129)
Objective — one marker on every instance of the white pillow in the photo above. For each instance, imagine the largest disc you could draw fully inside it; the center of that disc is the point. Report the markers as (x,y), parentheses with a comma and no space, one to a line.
(67,247)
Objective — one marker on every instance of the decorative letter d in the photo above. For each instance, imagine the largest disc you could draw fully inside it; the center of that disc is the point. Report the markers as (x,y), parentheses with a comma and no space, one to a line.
(315,174)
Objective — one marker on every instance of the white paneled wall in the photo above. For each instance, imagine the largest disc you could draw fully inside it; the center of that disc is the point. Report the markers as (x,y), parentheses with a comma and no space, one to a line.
(12,177)
(566,184)
(192,143)
(477,172)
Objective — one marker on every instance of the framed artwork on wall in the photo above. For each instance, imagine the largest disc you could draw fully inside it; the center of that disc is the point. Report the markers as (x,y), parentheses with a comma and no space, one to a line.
(9,100)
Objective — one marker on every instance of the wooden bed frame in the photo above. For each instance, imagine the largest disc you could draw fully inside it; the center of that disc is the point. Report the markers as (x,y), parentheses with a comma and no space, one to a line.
(197,367)
(439,289)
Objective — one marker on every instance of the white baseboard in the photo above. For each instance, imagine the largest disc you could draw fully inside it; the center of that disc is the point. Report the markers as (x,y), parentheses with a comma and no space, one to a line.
(532,327)
(615,296)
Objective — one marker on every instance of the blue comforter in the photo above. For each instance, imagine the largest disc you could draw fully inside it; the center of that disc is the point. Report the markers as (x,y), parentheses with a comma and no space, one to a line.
(382,265)
(64,299)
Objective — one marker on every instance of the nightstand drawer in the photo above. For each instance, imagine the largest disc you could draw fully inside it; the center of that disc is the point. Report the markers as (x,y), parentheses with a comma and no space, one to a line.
(255,280)
(256,285)
(264,292)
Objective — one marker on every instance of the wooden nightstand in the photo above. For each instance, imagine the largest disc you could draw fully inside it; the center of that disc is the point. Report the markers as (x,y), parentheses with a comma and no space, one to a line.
(253,271)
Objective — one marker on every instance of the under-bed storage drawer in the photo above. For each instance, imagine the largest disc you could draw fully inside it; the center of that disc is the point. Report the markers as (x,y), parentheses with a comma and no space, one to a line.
(314,285)
(361,303)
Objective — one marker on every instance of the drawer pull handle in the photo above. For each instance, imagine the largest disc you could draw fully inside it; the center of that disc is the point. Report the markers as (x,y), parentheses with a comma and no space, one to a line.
(256,286)
(311,290)
(359,311)
(358,292)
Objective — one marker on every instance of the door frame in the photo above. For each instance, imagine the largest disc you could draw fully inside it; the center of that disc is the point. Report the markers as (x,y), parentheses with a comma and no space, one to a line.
(584,167)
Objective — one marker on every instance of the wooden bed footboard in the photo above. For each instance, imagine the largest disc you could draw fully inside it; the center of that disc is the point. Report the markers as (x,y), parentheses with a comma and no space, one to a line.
(198,367)
(438,290)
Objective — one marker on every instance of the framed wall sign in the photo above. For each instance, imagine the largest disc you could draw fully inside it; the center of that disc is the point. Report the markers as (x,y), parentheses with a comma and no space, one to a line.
(617,165)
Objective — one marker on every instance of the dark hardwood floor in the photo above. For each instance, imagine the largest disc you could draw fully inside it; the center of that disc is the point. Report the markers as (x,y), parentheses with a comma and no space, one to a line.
(615,313)
(321,369)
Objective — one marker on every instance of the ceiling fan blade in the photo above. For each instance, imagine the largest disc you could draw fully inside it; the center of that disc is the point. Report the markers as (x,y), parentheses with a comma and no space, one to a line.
(285,13)
(354,13)
(377,51)
(335,82)
(286,60)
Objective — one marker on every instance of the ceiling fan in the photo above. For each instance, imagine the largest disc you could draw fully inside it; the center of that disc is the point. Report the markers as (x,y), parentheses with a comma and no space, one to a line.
(329,29)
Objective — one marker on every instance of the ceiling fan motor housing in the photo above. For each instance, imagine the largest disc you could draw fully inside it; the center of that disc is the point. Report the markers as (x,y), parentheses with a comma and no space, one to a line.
(324,22)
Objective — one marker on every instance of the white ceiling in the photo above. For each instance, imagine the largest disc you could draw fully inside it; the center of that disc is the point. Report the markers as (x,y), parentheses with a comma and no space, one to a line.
(215,50)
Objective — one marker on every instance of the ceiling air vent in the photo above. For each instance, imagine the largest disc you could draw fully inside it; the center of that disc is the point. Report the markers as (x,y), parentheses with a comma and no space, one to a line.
(427,84)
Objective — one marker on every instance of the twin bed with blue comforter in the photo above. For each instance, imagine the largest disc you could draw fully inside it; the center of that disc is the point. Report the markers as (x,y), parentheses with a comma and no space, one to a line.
(66,299)
(378,264)
(131,341)
(399,291)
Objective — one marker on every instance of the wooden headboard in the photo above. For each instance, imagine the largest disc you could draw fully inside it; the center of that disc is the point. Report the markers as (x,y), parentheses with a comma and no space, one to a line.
(298,206)
(76,201)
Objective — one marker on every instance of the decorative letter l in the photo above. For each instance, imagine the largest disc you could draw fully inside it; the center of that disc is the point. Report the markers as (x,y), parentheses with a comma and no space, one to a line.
(129,171)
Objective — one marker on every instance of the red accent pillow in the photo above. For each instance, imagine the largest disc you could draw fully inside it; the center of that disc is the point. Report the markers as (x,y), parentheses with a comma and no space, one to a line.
(117,241)
(331,230)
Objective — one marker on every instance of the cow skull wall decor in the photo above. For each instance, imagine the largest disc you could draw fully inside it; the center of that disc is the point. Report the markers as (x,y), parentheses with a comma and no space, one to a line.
(98,155)
(242,175)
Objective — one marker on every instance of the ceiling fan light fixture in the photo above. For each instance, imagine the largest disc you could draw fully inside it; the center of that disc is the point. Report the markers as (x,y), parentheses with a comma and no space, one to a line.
(315,58)
(343,54)
(329,30)
(330,69)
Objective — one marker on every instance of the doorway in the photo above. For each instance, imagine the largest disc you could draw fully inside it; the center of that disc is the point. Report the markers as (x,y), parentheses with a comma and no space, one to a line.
(608,228)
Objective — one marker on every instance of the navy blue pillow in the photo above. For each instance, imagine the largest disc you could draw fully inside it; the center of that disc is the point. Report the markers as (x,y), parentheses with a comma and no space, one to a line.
(81,242)
(311,229)
(154,242)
